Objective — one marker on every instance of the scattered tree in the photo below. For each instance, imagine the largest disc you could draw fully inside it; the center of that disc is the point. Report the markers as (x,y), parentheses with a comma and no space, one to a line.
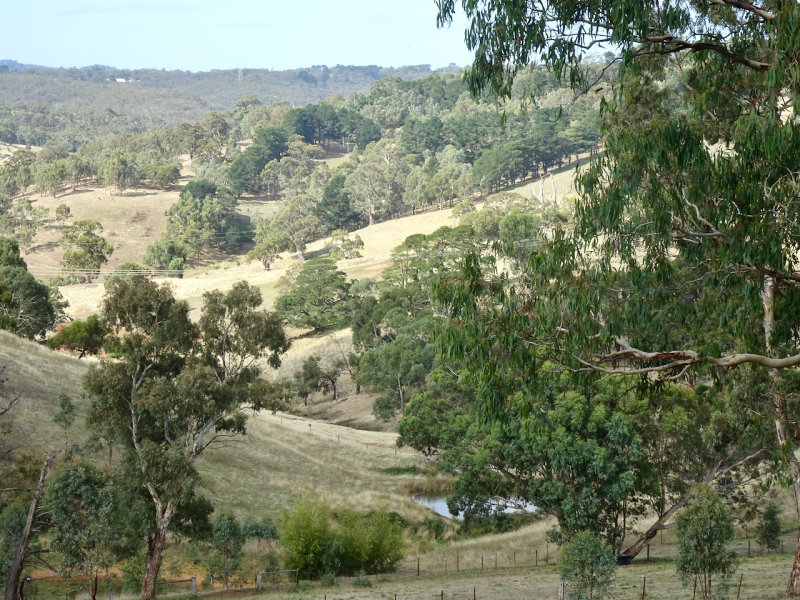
(177,389)
(86,250)
(319,297)
(85,337)
(227,542)
(85,529)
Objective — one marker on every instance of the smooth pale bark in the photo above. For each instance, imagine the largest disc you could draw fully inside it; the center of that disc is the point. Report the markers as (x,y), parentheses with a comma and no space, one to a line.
(782,424)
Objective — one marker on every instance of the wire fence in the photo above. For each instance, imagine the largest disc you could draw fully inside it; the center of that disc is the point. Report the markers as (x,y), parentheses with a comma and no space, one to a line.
(112,588)
(469,563)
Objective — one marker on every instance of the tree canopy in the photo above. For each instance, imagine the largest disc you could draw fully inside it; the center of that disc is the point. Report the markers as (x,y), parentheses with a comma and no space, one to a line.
(683,261)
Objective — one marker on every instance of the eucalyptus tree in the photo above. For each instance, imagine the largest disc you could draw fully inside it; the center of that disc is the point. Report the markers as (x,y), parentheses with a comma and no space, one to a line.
(85,250)
(376,186)
(176,389)
(698,174)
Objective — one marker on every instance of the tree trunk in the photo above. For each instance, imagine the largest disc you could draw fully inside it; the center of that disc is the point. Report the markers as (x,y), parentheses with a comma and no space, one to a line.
(783,430)
(155,555)
(402,397)
(12,590)
(793,588)
(648,535)
(782,424)
(93,585)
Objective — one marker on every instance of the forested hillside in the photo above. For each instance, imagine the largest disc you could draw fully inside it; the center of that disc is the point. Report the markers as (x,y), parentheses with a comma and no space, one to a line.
(41,106)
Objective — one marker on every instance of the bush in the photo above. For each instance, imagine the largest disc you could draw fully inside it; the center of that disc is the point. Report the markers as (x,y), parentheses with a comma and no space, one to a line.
(370,542)
(587,565)
(59,280)
(768,530)
(316,542)
(262,530)
(361,580)
(305,532)
(227,541)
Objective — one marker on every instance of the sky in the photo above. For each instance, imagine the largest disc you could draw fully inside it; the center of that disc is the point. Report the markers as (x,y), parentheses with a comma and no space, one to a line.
(201,35)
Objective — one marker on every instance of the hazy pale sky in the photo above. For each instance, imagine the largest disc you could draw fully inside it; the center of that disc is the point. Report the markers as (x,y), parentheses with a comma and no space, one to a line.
(200,35)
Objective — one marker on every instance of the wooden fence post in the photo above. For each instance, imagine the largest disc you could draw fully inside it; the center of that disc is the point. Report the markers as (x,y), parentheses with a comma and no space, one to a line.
(194,587)
(258,581)
(739,591)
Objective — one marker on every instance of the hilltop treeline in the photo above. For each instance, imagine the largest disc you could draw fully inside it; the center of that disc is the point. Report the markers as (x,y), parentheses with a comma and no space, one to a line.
(41,106)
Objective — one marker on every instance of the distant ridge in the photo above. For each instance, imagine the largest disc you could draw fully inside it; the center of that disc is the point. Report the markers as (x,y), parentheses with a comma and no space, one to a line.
(202,90)
(13,65)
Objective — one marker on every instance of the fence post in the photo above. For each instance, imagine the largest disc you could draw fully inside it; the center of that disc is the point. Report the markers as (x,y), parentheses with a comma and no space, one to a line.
(457,564)
(748,548)
(418,566)
(644,585)
(495,560)
(194,587)
(537,557)
(481,561)
(739,591)
(258,581)
(561,590)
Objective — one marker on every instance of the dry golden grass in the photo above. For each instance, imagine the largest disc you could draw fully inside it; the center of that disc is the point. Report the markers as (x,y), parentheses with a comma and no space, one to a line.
(283,458)
(39,375)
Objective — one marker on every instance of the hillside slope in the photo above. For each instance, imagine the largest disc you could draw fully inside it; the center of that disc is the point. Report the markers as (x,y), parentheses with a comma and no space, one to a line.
(283,458)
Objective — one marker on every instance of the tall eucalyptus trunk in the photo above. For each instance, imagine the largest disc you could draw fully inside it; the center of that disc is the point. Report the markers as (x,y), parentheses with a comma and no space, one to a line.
(782,423)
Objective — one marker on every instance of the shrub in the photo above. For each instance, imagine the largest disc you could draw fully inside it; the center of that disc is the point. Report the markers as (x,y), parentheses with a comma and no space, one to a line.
(316,543)
(587,565)
(768,530)
(262,530)
(305,532)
